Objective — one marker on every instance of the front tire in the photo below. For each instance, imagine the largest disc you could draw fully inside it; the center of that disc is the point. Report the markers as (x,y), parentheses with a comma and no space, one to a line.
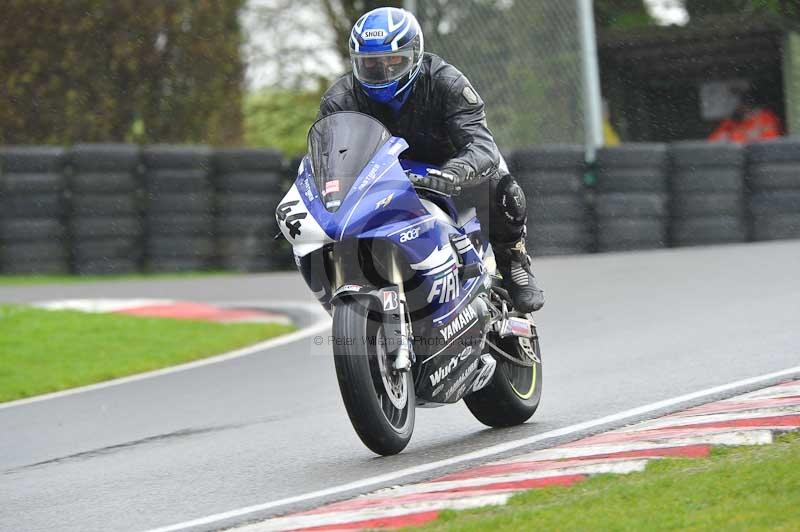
(379,401)
(513,394)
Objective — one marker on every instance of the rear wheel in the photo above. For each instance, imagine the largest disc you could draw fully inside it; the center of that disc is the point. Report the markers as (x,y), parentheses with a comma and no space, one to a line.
(513,394)
(379,401)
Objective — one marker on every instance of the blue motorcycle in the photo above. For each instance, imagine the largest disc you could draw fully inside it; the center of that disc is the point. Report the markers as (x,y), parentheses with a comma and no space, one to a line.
(419,315)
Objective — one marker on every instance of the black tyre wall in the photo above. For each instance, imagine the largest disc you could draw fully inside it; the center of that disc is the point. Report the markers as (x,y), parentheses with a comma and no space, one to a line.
(105,208)
(33,235)
(773,178)
(179,208)
(96,208)
(559,220)
(249,184)
(632,197)
(708,194)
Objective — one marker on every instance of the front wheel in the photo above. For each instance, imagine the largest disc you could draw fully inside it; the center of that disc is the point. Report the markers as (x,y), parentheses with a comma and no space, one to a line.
(513,394)
(379,401)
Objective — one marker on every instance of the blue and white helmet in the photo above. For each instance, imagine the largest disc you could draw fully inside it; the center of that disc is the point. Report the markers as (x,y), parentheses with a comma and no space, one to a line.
(386,49)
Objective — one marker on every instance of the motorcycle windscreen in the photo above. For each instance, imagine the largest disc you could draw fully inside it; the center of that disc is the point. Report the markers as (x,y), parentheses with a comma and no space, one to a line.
(340,146)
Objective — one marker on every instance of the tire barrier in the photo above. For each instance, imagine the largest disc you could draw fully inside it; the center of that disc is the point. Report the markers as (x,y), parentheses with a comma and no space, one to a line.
(774,182)
(707,194)
(559,220)
(104,208)
(33,236)
(248,183)
(118,208)
(178,208)
(631,204)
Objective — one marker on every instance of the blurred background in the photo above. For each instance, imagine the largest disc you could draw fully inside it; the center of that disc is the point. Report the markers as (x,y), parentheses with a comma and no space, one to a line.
(252,71)
(123,88)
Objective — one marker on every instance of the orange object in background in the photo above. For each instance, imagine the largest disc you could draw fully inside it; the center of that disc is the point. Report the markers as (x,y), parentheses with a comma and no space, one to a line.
(758,124)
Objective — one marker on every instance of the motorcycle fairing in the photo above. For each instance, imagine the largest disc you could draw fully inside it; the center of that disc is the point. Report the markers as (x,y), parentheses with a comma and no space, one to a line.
(380,195)
(382,203)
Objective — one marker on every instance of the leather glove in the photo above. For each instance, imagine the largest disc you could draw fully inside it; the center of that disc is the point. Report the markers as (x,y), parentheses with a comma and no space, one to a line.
(439,181)
(462,170)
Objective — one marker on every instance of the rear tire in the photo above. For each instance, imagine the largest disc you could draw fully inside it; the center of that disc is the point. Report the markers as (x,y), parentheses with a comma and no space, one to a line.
(513,394)
(384,420)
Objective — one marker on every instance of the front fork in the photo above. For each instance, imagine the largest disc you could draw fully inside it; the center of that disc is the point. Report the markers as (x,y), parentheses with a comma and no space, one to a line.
(391,299)
(395,317)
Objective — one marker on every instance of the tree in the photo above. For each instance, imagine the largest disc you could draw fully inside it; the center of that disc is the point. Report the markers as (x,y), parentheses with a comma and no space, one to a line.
(522,56)
(280,118)
(91,70)
(306,39)
(303,38)
(342,14)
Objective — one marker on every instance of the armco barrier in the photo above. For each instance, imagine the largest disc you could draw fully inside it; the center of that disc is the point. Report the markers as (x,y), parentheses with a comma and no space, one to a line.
(774,184)
(33,237)
(707,194)
(105,208)
(631,204)
(559,217)
(116,208)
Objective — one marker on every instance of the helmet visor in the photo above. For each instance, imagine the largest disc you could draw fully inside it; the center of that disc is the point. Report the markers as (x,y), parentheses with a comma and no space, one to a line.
(382,68)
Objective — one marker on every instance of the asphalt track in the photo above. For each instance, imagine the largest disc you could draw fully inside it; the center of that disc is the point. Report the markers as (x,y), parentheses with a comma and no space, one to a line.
(618,331)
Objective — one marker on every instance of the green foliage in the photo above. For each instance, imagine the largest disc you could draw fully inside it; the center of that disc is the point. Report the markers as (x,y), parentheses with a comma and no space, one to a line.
(143,70)
(34,279)
(342,14)
(621,14)
(280,118)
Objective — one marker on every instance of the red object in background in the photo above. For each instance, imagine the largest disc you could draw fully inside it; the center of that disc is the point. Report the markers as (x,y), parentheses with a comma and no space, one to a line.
(194,311)
(760,124)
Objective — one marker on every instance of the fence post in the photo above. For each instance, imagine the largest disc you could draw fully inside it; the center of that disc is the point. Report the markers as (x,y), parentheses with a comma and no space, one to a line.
(593,105)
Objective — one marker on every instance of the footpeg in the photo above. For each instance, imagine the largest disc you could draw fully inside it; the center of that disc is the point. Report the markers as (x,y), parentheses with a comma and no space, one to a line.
(469,271)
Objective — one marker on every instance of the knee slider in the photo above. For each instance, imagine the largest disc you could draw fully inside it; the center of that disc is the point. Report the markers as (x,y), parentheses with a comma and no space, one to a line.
(511,200)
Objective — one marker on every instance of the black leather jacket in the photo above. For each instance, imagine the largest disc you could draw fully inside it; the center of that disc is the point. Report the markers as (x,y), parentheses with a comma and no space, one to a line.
(443,120)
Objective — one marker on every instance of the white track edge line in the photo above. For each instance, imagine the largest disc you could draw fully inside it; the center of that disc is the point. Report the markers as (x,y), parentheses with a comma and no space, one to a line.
(482,453)
(320,324)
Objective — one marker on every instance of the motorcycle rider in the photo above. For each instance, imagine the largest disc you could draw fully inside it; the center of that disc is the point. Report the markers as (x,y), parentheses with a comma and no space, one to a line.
(429,103)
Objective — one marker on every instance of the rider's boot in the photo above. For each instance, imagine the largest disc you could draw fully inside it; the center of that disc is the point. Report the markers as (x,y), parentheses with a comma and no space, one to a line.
(514,264)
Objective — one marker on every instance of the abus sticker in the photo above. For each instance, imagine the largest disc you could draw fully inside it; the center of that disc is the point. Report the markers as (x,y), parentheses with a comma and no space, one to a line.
(374,34)
(331,187)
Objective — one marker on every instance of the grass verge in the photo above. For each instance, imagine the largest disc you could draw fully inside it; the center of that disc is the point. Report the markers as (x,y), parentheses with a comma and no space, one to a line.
(22,280)
(45,351)
(740,488)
